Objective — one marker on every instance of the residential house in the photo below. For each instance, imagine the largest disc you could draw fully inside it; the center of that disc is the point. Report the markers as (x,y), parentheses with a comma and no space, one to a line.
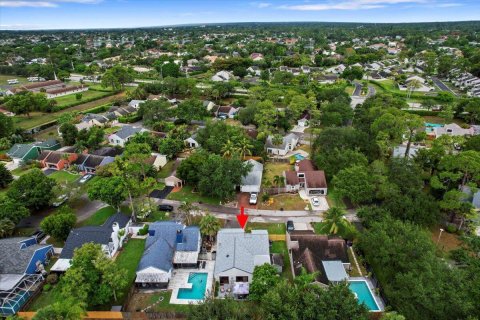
(191,142)
(107,152)
(254,71)
(306,177)
(289,143)
(57,160)
(22,269)
(121,137)
(451,129)
(169,245)
(256,56)
(318,254)
(223,76)
(89,163)
(303,122)
(225,112)
(157,160)
(253,180)
(23,152)
(109,235)
(209,105)
(92,120)
(238,253)
(135,103)
(173,181)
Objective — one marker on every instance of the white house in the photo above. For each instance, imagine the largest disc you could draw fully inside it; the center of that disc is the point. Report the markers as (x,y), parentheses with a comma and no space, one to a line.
(191,142)
(289,142)
(253,180)
(169,245)
(110,236)
(306,177)
(452,129)
(121,137)
(223,76)
(135,103)
(238,253)
(157,160)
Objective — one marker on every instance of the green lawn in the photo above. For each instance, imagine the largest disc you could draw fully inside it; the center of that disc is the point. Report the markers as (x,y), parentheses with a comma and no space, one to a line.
(157,216)
(46,298)
(186,194)
(4,78)
(56,243)
(99,217)
(64,176)
(166,170)
(281,247)
(128,259)
(21,171)
(334,199)
(71,98)
(272,228)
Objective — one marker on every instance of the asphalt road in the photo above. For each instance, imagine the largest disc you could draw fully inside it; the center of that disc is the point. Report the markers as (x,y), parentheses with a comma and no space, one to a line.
(442,85)
(358,89)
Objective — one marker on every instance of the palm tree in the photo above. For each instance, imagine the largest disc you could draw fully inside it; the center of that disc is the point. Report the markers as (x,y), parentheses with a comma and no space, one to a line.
(279,181)
(6,227)
(245,147)
(334,221)
(209,226)
(229,149)
(185,212)
(412,85)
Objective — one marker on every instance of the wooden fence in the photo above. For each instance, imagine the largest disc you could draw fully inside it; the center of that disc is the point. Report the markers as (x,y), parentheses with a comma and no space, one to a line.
(277,237)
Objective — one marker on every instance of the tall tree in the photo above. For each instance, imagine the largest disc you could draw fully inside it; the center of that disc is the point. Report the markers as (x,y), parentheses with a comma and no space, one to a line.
(5,176)
(209,226)
(33,189)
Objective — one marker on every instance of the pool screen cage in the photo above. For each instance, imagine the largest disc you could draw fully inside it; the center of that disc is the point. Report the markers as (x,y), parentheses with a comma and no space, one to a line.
(12,300)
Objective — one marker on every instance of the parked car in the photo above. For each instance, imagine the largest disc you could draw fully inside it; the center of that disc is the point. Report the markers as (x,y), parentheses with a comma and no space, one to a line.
(60,200)
(38,235)
(85,178)
(290,226)
(315,201)
(253,198)
(165,207)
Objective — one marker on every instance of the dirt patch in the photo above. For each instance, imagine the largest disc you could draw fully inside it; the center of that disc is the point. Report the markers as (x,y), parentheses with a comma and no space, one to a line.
(448,241)
(285,201)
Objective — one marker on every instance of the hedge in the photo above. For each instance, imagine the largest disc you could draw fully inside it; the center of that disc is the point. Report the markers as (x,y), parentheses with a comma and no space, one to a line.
(130,118)
(423,112)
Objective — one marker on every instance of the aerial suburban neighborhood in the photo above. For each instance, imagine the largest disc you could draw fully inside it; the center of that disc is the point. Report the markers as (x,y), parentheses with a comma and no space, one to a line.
(243,170)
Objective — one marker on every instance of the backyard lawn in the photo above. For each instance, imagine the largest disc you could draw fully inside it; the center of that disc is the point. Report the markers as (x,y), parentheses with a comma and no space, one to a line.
(20,171)
(273,228)
(334,199)
(166,171)
(140,301)
(71,98)
(99,217)
(64,176)
(272,169)
(187,194)
(128,259)
(281,247)
(4,78)
(285,201)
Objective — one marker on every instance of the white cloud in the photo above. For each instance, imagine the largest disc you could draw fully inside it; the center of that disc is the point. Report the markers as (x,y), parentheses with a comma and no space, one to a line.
(348,5)
(260,5)
(449,5)
(42,4)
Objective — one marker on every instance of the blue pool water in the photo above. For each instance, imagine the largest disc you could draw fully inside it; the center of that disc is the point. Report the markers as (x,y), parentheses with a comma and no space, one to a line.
(298,156)
(199,284)
(363,294)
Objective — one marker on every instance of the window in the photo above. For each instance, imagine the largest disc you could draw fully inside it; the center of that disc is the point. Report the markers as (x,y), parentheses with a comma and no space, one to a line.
(241,279)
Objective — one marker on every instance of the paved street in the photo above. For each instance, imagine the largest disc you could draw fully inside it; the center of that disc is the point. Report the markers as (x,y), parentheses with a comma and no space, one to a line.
(442,86)
(358,89)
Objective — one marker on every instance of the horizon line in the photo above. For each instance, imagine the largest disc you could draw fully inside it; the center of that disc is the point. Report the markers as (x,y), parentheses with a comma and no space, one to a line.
(226,23)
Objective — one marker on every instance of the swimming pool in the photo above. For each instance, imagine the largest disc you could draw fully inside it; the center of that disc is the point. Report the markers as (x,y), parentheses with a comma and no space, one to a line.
(199,285)
(430,126)
(298,156)
(363,294)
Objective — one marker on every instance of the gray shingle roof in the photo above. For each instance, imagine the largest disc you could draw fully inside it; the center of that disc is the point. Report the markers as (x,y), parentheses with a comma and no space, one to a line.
(289,138)
(237,249)
(127,131)
(96,234)
(13,259)
(161,246)
(254,176)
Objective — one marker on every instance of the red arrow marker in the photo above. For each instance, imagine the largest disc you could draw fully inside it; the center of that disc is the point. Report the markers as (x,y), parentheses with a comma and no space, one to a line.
(242,218)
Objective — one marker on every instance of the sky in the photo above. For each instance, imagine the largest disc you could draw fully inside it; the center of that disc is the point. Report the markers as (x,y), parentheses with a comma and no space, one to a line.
(87,14)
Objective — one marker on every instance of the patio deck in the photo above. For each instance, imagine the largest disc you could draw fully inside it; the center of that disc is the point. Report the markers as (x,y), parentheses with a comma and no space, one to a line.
(180,280)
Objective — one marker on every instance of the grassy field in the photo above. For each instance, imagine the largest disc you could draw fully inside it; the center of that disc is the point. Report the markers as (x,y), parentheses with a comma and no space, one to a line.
(166,170)
(272,228)
(272,169)
(128,259)
(281,248)
(285,201)
(140,301)
(334,199)
(187,194)
(20,171)
(39,118)
(64,176)
(71,98)
(4,78)
(99,217)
